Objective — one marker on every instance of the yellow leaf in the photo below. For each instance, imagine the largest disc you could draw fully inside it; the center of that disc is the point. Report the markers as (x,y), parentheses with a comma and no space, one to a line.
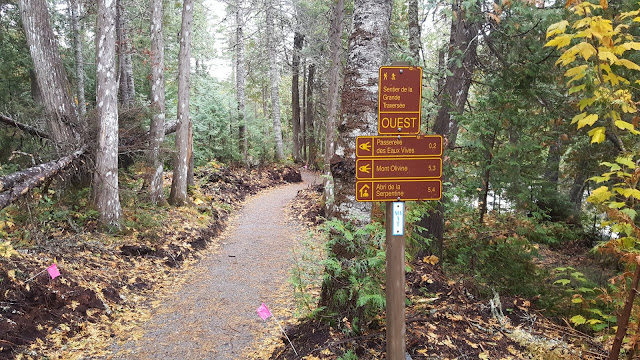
(578,117)
(577,88)
(604,4)
(578,70)
(557,28)
(198,201)
(484,355)
(599,195)
(605,55)
(584,103)
(588,120)
(586,50)
(628,64)
(597,135)
(560,41)
(624,125)
(11,274)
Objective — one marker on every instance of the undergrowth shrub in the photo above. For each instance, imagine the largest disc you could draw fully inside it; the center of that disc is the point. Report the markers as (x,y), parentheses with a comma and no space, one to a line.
(495,255)
(352,289)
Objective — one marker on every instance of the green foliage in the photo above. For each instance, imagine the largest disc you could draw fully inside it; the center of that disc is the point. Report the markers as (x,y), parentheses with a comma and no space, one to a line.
(495,255)
(349,355)
(354,274)
(577,297)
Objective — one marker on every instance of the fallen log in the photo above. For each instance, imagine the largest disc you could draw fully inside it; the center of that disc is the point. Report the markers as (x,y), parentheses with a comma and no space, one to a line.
(24,127)
(29,179)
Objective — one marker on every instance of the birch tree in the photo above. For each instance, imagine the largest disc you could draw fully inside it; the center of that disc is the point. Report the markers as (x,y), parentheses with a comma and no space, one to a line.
(240,80)
(126,82)
(178,195)
(156,131)
(274,82)
(298,40)
(367,52)
(105,179)
(335,48)
(78,33)
(64,126)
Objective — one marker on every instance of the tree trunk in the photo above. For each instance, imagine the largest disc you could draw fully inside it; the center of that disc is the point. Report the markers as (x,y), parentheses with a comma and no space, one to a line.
(65,128)
(462,45)
(240,79)
(298,40)
(14,186)
(623,318)
(303,126)
(489,146)
(125,78)
(414,31)
(105,179)
(335,48)
(274,79)
(309,118)
(368,45)
(156,130)
(552,170)
(178,196)
(78,34)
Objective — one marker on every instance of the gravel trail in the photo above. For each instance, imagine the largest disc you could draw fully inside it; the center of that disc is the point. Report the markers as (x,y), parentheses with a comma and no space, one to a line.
(213,315)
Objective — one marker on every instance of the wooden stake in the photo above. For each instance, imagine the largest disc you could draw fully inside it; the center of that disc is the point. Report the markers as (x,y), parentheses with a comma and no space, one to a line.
(395,282)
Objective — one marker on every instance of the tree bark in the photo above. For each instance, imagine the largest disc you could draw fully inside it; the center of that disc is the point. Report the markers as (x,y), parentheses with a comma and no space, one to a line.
(414,30)
(335,48)
(368,45)
(125,65)
(16,185)
(463,45)
(623,319)
(298,40)
(78,33)
(274,80)
(310,118)
(65,128)
(178,196)
(240,80)
(157,127)
(105,179)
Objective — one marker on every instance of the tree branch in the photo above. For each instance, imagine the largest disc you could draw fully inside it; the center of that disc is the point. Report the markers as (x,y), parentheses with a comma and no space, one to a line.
(26,180)
(24,127)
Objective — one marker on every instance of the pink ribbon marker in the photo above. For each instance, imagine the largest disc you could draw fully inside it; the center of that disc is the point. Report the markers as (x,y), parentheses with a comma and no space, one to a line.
(53,271)
(263,312)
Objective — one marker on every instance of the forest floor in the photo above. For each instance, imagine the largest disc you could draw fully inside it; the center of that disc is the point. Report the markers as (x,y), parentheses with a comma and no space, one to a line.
(445,320)
(188,288)
(110,284)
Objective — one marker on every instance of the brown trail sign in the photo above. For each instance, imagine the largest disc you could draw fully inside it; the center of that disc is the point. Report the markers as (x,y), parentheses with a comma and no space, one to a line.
(399,100)
(402,146)
(398,168)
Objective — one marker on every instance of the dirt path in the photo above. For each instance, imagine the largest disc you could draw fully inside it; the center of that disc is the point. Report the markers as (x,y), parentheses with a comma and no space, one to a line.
(213,315)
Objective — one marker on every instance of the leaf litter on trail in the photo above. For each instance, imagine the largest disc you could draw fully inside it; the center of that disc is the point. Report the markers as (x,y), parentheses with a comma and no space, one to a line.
(108,284)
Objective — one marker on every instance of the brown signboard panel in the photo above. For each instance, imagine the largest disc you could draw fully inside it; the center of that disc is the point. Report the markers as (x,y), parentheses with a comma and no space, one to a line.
(398,168)
(398,190)
(399,100)
(405,146)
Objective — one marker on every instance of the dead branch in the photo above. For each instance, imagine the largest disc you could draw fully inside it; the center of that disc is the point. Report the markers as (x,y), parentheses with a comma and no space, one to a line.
(29,179)
(24,127)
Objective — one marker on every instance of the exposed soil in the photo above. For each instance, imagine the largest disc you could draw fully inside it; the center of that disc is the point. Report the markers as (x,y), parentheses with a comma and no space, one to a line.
(107,281)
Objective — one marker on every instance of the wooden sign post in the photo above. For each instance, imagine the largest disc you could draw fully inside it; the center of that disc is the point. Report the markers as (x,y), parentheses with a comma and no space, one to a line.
(398,167)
